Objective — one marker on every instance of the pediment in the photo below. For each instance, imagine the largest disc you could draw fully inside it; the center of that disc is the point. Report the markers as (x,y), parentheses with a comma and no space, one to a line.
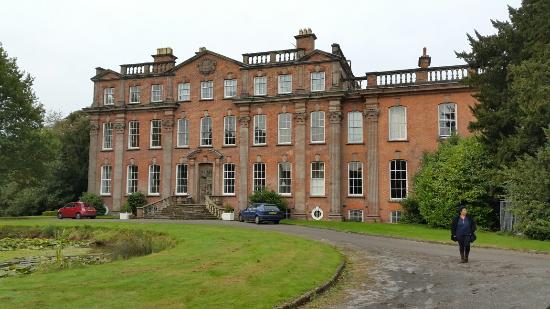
(207,62)
(208,153)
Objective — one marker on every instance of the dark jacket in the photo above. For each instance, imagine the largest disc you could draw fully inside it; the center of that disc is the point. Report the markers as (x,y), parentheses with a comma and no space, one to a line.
(454,226)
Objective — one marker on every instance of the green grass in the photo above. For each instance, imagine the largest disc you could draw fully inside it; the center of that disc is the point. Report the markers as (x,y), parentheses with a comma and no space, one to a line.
(425,233)
(211,266)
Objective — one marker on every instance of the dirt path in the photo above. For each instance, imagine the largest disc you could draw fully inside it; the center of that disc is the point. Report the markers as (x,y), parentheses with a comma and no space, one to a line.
(397,273)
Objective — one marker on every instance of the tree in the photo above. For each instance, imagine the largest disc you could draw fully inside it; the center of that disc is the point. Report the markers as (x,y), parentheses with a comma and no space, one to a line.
(270,197)
(514,87)
(528,190)
(459,173)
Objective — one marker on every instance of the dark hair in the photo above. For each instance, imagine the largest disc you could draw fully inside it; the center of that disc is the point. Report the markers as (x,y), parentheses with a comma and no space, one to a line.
(462,207)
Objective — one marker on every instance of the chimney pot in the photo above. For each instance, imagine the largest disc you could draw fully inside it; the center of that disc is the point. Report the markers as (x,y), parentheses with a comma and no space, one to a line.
(424,61)
(305,40)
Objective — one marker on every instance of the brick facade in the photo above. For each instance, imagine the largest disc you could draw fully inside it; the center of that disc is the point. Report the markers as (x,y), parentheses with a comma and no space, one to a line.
(420,91)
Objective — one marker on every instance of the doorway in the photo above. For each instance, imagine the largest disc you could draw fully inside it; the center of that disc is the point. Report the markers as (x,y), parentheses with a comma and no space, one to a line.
(205,181)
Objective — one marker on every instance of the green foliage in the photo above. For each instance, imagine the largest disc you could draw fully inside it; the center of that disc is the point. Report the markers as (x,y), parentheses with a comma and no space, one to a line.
(135,200)
(95,201)
(49,213)
(514,88)
(459,173)
(269,196)
(126,207)
(528,190)
(411,211)
(228,208)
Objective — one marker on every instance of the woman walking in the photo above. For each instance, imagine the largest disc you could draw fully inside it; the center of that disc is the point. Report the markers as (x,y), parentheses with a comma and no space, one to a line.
(463,228)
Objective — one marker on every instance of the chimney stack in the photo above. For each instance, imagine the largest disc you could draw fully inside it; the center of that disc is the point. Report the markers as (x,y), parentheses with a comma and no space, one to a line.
(424,61)
(305,40)
(164,54)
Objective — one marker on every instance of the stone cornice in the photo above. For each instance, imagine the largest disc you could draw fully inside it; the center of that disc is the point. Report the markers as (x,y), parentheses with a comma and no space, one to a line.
(127,108)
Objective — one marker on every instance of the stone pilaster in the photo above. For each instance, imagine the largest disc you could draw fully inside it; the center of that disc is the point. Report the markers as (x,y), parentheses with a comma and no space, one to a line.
(167,146)
(118,167)
(216,173)
(192,177)
(244,82)
(335,116)
(371,113)
(121,93)
(244,121)
(300,116)
(92,155)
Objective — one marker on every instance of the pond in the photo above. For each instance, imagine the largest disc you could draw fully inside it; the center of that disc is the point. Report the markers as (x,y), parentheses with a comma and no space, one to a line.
(28,250)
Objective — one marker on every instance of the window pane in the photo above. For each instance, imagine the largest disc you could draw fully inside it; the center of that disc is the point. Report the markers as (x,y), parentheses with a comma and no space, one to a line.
(206,131)
(318,81)
(132,182)
(154,179)
(229,178)
(258,176)
(184,91)
(285,84)
(260,132)
(398,123)
(355,178)
(181,179)
(156,93)
(317,178)
(230,130)
(355,127)
(156,133)
(447,119)
(106,180)
(317,127)
(398,179)
(260,85)
(183,133)
(108,135)
(230,88)
(285,130)
(207,90)
(285,179)
(133,134)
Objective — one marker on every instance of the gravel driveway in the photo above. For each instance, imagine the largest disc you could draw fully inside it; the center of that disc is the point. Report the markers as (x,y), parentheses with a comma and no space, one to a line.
(411,274)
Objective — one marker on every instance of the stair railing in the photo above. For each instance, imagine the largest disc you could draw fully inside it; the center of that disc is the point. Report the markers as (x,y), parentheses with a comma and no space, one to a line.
(153,208)
(213,204)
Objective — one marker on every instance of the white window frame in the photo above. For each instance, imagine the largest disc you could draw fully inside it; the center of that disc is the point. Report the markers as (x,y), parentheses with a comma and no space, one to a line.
(452,121)
(137,91)
(229,182)
(131,182)
(157,94)
(149,182)
(152,133)
(229,126)
(133,134)
(321,125)
(260,83)
(319,86)
(107,136)
(202,133)
(207,90)
(399,179)
(185,180)
(355,216)
(355,133)
(395,216)
(258,130)
(400,127)
(109,96)
(229,88)
(106,180)
(182,140)
(350,164)
(313,181)
(184,91)
(258,182)
(284,86)
(286,130)
(279,179)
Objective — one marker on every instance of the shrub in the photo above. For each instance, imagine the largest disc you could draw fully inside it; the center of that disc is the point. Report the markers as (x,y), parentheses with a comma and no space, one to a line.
(459,173)
(270,197)
(49,213)
(527,183)
(95,201)
(135,200)
(228,208)
(411,211)
(126,207)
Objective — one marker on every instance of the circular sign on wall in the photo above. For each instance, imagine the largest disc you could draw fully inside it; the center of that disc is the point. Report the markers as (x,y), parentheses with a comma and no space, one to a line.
(317,213)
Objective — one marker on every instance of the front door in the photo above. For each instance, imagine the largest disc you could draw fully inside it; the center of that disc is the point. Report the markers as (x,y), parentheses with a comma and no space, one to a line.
(205,181)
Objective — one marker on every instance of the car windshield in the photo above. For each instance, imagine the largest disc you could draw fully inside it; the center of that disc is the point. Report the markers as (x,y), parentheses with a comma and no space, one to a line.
(271,208)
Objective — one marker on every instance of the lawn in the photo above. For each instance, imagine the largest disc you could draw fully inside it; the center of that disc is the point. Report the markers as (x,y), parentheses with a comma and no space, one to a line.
(211,266)
(425,233)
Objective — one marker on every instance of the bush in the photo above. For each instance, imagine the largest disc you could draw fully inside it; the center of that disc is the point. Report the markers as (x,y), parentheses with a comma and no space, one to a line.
(228,208)
(95,201)
(459,173)
(527,183)
(126,207)
(411,211)
(135,200)
(270,197)
(50,213)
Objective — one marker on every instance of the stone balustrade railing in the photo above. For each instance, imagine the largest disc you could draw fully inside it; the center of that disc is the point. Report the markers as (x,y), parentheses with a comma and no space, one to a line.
(146,68)
(150,210)
(446,74)
(276,56)
(213,204)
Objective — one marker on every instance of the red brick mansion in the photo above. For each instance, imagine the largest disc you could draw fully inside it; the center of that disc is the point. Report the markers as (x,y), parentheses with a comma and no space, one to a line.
(298,121)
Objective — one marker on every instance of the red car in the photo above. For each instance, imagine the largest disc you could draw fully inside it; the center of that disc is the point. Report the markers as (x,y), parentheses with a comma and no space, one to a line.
(76,210)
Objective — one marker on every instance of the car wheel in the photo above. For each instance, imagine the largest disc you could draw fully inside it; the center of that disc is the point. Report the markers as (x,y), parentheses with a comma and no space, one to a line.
(276,222)
(78,216)
(257,220)
(59,215)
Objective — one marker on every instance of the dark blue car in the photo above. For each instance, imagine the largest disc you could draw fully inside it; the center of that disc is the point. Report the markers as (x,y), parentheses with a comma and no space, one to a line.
(261,212)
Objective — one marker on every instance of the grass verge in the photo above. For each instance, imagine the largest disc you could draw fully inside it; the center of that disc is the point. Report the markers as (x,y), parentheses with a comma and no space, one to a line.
(210,266)
(425,233)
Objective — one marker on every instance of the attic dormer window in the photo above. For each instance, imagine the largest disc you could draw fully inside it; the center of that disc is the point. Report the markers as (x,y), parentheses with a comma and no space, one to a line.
(109,96)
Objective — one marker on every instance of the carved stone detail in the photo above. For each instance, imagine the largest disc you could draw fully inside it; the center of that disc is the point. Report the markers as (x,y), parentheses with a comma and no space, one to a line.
(119,127)
(300,117)
(244,120)
(207,66)
(167,124)
(94,128)
(335,117)
(371,112)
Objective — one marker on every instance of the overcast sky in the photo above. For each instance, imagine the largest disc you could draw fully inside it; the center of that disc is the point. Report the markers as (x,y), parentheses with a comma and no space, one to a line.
(61,42)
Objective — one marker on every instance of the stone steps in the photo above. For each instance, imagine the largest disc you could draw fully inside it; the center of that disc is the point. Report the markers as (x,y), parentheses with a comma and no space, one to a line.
(184,212)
